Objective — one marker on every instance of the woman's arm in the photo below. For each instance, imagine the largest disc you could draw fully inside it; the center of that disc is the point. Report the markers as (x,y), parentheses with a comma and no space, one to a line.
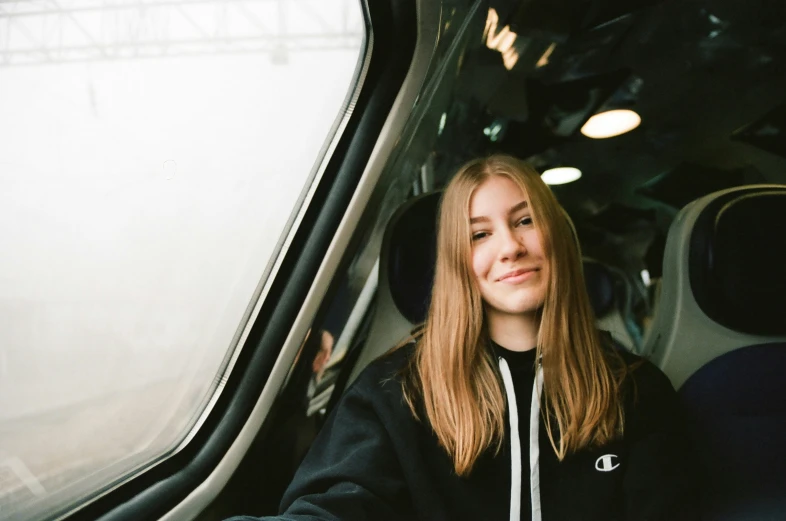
(351,471)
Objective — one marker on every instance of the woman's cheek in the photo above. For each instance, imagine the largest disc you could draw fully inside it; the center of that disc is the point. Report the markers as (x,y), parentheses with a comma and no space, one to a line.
(480,261)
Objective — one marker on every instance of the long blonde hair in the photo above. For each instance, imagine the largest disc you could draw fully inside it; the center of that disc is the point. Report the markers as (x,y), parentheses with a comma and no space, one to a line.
(453,378)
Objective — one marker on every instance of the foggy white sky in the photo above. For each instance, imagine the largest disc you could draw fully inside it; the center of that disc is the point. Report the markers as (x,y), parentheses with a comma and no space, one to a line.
(140,201)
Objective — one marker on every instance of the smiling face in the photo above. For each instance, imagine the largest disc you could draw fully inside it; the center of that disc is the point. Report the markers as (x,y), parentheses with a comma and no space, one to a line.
(507,257)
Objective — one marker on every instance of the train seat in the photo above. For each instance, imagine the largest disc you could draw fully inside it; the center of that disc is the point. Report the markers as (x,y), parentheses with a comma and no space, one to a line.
(719,333)
(609,293)
(406,272)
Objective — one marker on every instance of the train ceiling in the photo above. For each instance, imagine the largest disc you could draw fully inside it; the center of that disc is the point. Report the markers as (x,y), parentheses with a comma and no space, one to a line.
(707,77)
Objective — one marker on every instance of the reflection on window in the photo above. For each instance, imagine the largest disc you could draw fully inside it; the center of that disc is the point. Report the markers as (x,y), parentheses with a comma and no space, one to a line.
(152,154)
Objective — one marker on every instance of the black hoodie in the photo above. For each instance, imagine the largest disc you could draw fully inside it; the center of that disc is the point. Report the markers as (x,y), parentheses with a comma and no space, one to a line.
(374,461)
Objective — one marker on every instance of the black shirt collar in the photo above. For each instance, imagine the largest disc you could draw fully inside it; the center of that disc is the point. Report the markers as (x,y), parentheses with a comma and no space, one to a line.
(516,359)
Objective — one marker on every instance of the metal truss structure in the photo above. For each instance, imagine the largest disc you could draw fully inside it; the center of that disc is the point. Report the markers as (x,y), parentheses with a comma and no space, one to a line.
(60,31)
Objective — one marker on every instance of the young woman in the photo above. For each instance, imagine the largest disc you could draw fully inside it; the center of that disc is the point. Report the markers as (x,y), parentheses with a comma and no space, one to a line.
(509,404)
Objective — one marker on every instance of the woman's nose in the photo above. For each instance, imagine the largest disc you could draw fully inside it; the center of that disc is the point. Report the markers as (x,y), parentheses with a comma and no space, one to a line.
(511,246)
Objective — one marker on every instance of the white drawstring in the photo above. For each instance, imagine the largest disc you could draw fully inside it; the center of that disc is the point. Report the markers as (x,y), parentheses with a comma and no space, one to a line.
(534,445)
(515,444)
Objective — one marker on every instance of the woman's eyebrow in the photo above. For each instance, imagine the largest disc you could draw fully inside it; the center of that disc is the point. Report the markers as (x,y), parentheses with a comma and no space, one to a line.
(513,209)
(517,207)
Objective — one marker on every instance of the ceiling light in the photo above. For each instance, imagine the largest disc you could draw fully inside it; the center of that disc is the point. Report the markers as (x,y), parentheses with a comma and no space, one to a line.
(561,175)
(544,59)
(502,40)
(611,123)
(493,130)
(510,57)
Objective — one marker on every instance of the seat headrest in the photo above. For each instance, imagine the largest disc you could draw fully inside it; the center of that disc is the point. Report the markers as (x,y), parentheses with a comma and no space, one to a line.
(600,287)
(412,253)
(737,260)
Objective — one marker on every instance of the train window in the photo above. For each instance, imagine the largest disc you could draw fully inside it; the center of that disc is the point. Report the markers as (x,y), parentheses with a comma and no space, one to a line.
(154,155)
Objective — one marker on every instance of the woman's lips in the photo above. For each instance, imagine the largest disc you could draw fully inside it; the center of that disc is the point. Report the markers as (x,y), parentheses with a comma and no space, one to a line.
(517,276)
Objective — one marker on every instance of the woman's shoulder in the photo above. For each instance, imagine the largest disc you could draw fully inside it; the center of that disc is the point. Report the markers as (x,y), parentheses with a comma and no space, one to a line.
(645,375)
(638,370)
(650,400)
(382,378)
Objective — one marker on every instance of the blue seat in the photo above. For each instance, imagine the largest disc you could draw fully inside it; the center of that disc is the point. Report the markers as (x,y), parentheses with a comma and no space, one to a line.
(719,333)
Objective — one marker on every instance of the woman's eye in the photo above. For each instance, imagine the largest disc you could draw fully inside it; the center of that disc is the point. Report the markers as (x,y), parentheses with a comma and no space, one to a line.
(525,221)
(478,235)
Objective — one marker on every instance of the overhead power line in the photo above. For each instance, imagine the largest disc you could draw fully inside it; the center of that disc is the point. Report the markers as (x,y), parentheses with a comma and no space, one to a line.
(52,31)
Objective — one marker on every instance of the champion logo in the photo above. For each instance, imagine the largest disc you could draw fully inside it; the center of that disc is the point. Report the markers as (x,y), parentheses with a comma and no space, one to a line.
(606,463)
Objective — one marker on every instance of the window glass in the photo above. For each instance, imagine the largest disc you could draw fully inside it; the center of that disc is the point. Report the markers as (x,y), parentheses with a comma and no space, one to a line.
(151,156)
